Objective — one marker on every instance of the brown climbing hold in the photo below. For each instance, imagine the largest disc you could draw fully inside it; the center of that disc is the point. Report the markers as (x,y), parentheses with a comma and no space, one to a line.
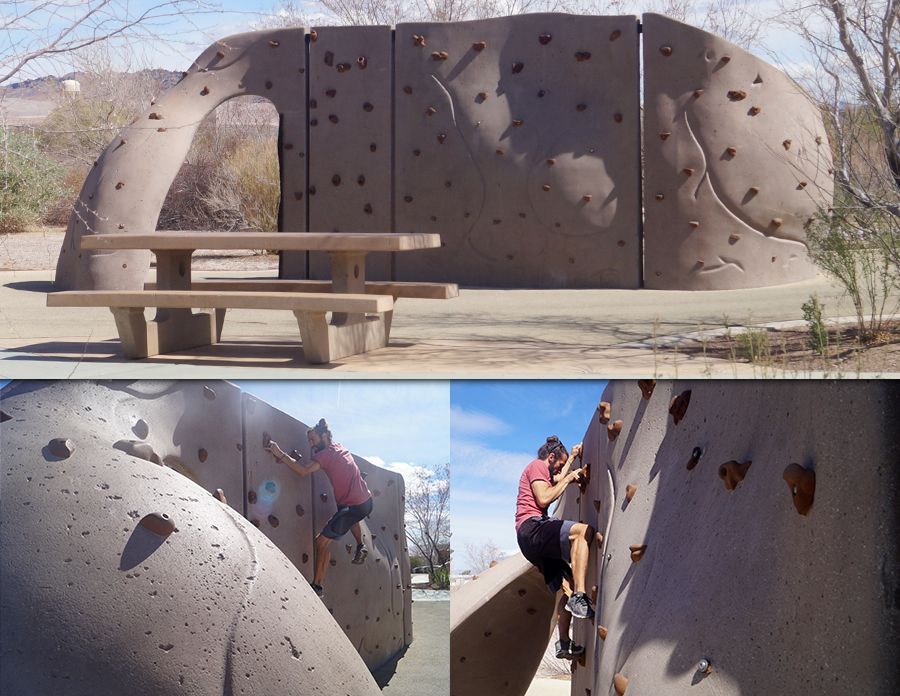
(306,558)
(545,187)
(541,93)
(818,140)
(776,222)
(754,110)
(551,161)
(121,184)
(255,523)
(372,147)
(581,107)
(732,473)
(417,152)
(725,59)
(532,611)
(204,91)
(621,242)
(688,171)
(300,511)
(694,223)
(219,54)
(602,632)
(312,104)
(517,68)
(497,222)
(430,111)
(620,683)
(329,58)
(522,593)
(362,63)
(268,84)
(333,563)
(333,118)
(361,180)
(734,237)
(273,44)
(802,184)
(336,180)
(736,94)
(516,123)
(158,523)
(482,95)
(629,492)
(121,226)
(202,455)
(499,152)
(313,36)
(754,190)
(604,410)
(479,46)
(367,107)
(447,184)
(220,495)
(787,144)
(615,35)
(664,135)
(312,190)
(545,39)
(647,386)
(273,520)
(637,552)
(666,50)
(695,458)
(418,40)
(61,447)
(436,56)
(288,146)
(324,497)
(408,199)
(802,483)
(155,117)
(159,130)
(678,406)
(587,198)
(583,56)
(441,138)
(396,537)
(251,497)
(408,90)
(732,151)
(367,208)
(697,93)
(343,67)
(613,430)
(597,505)
(660,197)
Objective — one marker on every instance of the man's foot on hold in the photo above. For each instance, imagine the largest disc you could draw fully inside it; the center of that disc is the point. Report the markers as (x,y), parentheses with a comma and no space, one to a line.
(579,606)
(569,650)
(361,553)
(317,589)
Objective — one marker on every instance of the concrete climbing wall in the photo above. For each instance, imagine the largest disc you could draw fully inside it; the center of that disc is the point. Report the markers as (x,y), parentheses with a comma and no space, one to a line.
(517,139)
(126,189)
(122,576)
(372,603)
(736,158)
(350,138)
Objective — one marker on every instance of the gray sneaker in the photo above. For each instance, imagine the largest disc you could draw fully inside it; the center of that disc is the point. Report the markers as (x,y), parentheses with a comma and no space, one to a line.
(317,589)
(579,606)
(361,553)
(571,650)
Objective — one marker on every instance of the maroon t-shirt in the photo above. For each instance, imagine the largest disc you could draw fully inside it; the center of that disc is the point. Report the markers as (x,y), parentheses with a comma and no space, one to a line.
(526,504)
(341,470)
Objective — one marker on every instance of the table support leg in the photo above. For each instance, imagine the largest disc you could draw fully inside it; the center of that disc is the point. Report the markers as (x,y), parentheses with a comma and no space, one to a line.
(348,275)
(143,339)
(324,342)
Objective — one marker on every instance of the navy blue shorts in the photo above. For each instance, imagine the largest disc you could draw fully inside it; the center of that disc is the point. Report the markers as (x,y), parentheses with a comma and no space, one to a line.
(345,518)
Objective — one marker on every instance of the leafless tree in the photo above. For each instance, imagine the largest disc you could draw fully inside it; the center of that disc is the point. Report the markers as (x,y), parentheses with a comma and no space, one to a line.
(428,515)
(481,556)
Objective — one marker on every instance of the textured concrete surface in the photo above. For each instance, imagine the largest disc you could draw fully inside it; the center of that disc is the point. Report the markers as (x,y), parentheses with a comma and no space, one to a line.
(777,602)
(425,662)
(522,154)
(94,602)
(736,160)
(111,432)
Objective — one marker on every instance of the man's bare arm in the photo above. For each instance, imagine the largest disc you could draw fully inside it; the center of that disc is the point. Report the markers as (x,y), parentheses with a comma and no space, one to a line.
(296,465)
(546,494)
(576,453)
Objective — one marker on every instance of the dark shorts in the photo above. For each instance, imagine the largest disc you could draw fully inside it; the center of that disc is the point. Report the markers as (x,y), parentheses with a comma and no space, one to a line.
(545,542)
(345,518)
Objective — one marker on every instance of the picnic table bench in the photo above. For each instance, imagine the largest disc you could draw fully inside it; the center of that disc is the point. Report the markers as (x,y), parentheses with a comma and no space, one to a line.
(361,311)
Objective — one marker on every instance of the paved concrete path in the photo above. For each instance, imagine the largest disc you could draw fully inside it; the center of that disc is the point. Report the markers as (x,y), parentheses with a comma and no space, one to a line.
(423,668)
(483,331)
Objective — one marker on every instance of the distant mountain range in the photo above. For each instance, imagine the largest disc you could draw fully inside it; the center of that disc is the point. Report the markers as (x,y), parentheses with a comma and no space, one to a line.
(43,88)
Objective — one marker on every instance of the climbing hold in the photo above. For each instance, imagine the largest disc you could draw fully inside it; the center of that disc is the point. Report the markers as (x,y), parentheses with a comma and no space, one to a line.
(482,95)
(637,552)
(312,190)
(447,184)
(678,406)
(333,118)
(602,632)
(615,35)
(517,68)
(312,104)
(666,50)
(367,208)
(688,171)
(273,44)
(441,138)
(372,147)
(343,67)
(336,180)
(288,146)
(603,409)
(755,110)
(329,58)
(551,161)
(479,46)
(430,111)
(754,190)
(333,563)
(418,40)
(408,90)
(646,386)
(545,39)
(255,523)
(736,94)
(802,184)
(613,430)
(313,36)
(732,151)
(697,93)
(268,84)
(251,497)
(417,152)
(582,56)
(694,223)
(629,492)
(220,495)
(306,560)
(367,107)
(776,222)
(159,130)
(202,455)
(545,187)
(787,144)
(499,152)
(703,666)
(587,198)
(141,429)
(732,473)
(734,237)
(581,107)
(802,483)
(440,56)
(541,93)
(155,117)
(532,611)
(62,447)
(620,683)
(725,59)
(362,63)
(516,123)
(204,91)
(597,505)
(408,199)
(324,497)
(219,54)
(660,197)
(664,135)
(273,520)
(158,523)
(818,140)
(497,222)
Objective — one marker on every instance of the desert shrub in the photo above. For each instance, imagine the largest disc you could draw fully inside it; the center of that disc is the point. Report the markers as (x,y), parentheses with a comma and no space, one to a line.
(79,130)
(818,333)
(30,182)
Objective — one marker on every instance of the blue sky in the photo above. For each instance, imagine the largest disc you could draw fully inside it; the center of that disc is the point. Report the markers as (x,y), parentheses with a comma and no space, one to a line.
(496,429)
(398,424)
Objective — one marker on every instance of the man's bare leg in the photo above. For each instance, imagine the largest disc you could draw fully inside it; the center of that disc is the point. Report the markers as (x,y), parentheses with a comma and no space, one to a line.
(580,538)
(361,550)
(323,555)
(356,531)
(563,617)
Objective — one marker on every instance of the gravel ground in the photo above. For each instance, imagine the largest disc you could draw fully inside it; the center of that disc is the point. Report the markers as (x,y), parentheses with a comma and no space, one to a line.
(37,250)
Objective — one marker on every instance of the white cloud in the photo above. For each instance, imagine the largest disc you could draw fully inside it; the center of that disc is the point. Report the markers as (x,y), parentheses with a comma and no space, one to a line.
(465,422)
(476,460)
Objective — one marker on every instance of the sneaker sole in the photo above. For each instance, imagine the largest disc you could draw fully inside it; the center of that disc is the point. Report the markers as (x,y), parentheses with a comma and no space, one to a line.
(361,559)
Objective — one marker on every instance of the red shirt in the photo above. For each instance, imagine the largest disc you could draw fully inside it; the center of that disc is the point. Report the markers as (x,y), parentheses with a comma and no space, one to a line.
(526,504)
(342,472)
